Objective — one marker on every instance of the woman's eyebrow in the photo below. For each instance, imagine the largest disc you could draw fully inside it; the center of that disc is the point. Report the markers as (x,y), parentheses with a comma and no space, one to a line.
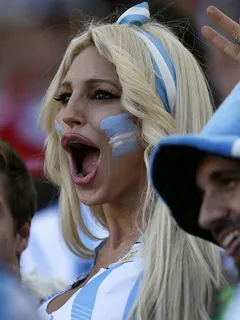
(102,80)
(65,85)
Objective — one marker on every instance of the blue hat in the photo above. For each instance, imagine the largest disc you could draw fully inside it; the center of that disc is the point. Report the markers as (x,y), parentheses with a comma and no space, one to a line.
(176,158)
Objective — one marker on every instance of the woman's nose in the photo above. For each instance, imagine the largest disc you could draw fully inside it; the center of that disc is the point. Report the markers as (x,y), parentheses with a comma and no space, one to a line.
(73,114)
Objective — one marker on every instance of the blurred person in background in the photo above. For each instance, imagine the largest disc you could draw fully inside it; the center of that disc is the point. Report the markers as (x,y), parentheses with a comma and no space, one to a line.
(232,29)
(34,36)
(102,123)
(219,64)
(18,204)
(198,177)
(15,302)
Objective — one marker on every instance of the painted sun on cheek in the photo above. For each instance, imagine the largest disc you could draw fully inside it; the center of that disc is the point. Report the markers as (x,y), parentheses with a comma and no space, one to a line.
(122,133)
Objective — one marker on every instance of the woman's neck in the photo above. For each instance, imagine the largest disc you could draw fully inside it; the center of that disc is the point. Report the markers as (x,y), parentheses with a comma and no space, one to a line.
(122,224)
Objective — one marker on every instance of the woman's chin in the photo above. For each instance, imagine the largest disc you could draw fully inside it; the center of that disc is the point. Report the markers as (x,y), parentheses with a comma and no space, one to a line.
(91,198)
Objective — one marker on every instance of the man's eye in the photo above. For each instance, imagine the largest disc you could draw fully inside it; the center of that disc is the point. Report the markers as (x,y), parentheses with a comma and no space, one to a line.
(102,95)
(228,183)
(63,98)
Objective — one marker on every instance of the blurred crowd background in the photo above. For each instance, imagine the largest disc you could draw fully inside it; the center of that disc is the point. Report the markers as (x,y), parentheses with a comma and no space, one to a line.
(34,35)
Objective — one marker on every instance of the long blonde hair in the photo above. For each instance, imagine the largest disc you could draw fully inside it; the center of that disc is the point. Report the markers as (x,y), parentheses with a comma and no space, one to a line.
(181,272)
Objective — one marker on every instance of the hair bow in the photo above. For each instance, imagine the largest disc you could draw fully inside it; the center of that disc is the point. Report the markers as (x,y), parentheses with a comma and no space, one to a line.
(162,63)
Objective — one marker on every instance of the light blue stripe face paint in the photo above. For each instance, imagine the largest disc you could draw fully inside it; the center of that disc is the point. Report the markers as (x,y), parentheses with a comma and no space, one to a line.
(58,128)
(122,133)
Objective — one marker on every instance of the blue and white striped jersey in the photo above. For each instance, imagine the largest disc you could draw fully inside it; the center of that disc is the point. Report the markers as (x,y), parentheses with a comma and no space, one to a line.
(109,295)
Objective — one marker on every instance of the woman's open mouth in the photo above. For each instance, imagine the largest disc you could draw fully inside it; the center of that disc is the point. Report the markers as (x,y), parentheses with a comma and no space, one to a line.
(83,158)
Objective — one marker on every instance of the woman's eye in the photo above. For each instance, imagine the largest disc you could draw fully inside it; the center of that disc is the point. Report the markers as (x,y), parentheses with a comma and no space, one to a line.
(102,95)
(63,98)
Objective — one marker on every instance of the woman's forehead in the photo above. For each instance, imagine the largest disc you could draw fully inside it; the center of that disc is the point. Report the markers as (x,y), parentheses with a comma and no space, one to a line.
(90,64)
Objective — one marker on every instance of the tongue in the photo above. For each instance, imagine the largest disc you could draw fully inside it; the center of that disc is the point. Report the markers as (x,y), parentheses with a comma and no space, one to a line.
(90,162)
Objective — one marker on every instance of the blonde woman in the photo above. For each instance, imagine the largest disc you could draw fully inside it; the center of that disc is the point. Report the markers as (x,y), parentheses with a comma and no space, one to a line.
(120,88)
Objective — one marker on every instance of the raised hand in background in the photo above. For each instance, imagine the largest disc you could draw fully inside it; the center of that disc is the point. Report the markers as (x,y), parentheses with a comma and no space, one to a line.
(230,27)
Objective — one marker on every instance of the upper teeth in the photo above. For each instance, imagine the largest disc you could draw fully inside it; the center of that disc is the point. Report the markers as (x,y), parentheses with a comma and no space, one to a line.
(230,237)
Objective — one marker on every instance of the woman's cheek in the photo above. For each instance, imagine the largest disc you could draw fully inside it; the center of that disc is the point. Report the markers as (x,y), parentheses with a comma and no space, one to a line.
(121,132)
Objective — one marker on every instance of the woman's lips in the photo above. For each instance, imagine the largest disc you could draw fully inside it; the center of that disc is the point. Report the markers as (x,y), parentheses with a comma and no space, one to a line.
(72,137)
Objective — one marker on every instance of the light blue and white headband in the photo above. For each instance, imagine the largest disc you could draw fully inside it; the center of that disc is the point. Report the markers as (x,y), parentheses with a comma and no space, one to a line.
(163,66)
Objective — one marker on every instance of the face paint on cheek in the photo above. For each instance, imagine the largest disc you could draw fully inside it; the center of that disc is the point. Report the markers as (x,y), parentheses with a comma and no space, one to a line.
(58,128)
(122,133)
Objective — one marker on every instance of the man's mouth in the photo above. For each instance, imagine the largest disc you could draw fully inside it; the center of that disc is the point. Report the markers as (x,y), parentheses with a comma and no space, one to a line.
(83,158)
(229,239)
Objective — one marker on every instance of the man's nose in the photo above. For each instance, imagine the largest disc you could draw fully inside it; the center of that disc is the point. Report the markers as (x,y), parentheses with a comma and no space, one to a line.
(212,210)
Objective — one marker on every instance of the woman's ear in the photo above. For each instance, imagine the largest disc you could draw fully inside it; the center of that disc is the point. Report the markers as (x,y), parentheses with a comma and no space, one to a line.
(22,237)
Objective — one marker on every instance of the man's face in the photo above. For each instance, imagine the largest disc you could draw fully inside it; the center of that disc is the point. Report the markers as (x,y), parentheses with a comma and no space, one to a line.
(219,181)
(12,243)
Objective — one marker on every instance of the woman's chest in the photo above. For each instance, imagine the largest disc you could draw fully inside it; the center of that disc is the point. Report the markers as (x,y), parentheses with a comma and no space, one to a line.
(109,295)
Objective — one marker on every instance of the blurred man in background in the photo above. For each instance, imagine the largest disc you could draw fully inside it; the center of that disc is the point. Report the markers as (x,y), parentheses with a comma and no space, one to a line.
(15,303)
(198,177)
(17,205)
